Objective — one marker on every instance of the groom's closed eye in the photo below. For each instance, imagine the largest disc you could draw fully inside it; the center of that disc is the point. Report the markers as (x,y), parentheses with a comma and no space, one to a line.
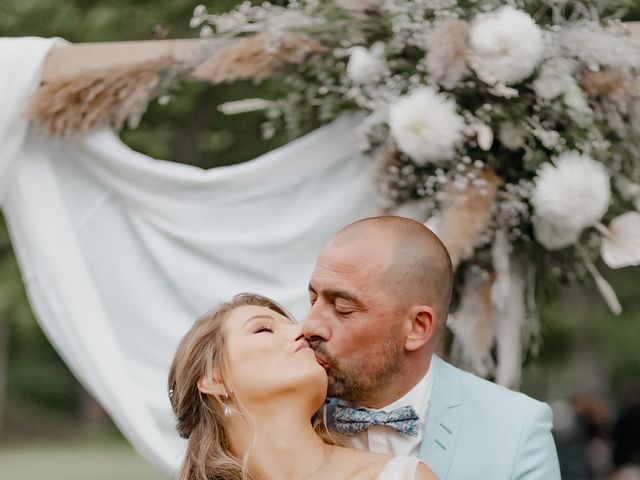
(343,308)
(335,296)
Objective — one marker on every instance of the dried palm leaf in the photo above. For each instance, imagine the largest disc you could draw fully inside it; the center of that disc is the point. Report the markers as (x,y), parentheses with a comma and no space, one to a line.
(605,82)
(510,321)
(257,57)
(465,215)
(102,97)
(473,325)
(447,47)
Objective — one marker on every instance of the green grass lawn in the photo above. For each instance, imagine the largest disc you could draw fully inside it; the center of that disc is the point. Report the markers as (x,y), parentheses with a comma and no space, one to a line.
(79,459)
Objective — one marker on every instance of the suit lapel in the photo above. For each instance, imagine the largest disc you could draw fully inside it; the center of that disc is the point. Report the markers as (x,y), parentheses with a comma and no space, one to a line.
(444,419)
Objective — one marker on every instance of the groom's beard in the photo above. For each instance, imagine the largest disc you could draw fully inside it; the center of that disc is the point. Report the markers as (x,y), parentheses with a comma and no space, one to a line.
(356,379)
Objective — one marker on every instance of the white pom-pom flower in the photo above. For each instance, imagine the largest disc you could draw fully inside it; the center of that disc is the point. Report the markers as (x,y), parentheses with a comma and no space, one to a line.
(506,46)
(554,236)
(425,125)
(568,197)
(365,65)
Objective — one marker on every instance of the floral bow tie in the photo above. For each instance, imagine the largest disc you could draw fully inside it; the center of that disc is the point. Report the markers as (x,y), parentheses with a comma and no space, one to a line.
(352,421)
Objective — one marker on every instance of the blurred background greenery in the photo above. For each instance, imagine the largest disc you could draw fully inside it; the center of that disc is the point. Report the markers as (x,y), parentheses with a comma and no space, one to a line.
(585,349)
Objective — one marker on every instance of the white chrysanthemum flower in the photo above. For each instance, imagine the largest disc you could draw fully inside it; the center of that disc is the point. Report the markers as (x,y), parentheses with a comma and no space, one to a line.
(569,196)
(506,46)
(364,65)
(425,125)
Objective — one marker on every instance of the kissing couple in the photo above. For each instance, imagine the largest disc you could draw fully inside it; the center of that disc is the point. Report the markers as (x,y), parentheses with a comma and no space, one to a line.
(355,392)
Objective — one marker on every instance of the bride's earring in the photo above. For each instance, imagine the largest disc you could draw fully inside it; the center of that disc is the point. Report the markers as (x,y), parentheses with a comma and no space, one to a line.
(227,410)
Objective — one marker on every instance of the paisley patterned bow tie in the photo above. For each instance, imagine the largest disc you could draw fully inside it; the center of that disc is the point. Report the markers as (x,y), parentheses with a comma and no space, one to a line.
(352,421)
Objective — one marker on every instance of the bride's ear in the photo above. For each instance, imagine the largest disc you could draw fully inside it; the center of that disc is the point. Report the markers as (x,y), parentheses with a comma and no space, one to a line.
(211,386)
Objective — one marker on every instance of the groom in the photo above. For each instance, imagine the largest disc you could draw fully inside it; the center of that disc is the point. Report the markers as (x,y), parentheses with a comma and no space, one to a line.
(380,293)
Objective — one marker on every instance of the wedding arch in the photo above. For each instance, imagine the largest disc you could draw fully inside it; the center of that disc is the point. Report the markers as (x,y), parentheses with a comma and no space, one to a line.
(120,252)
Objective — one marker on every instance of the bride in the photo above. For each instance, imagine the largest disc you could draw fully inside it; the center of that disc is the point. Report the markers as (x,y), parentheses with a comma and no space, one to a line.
(244,386)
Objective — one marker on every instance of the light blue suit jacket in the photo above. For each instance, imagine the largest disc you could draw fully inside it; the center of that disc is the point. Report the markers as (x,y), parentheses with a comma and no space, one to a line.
(477,430)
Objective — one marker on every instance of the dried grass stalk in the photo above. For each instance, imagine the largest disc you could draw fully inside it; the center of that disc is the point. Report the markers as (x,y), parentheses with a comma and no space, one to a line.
(465,215)
(385,157)
(486,318)
(604,83)
(447,56)
(357,5)
(102,97)
(473,325)
(257,57)
(613,93)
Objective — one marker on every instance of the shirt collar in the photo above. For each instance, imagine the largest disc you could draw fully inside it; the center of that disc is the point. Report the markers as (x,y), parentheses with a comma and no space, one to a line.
(418,397)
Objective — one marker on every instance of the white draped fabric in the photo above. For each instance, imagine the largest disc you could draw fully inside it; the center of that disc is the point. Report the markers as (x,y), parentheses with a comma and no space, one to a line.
(120,252)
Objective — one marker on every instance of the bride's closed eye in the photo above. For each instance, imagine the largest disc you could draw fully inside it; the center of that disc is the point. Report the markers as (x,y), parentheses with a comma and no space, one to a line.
(263,328)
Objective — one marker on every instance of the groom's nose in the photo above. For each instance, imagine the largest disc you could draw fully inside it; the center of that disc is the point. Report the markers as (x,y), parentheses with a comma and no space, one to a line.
(315,327)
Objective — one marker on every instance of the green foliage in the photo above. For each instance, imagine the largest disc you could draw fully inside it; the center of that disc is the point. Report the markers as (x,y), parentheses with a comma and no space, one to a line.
(619,337)
(94,21)
(190,129)
(582,322)
(36,374)
(633,13)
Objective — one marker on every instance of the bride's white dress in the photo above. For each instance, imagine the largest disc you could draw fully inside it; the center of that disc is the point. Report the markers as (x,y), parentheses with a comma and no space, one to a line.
(399,468)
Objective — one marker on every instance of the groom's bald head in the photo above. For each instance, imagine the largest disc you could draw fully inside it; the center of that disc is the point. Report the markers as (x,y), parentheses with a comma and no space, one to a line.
(415,264)
(379,294)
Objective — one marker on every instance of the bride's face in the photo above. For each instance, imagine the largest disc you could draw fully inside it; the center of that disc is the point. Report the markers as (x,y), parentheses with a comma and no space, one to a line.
(267,356)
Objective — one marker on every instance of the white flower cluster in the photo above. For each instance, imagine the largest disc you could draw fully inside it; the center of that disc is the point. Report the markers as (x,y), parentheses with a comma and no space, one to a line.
(506,46)
(533,121)
(366,65)
(425,126)
(569,196)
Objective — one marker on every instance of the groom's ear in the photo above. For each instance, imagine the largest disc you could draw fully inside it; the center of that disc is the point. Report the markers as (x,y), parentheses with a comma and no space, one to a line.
(423,327)
(211,386)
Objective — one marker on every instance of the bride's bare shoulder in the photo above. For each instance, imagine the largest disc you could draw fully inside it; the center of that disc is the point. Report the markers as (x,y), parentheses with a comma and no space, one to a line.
(424,473)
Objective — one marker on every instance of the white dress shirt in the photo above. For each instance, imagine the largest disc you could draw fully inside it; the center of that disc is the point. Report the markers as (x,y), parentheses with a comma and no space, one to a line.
(385,440)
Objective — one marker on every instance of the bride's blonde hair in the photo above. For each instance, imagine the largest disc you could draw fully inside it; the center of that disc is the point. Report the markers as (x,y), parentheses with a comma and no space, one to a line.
(200,417)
